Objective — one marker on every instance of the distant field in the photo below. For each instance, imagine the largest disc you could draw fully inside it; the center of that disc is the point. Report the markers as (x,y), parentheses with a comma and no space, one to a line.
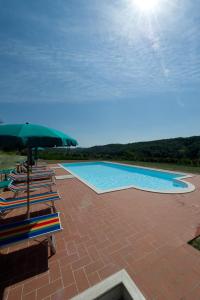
(171,167)
(9,160)
(165,166)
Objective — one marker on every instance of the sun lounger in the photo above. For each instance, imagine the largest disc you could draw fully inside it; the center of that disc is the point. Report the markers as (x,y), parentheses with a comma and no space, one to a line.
(32,228)
(35,168)
(34,176)
(35,183)
(4,184)
(4,173)
(16,189)
(9,204)
(34,171)
(43,170)
(23,169)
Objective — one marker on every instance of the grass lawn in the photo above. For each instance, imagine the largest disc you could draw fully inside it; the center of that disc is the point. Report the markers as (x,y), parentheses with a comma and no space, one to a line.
(9,159)
(195,243)
(165,166)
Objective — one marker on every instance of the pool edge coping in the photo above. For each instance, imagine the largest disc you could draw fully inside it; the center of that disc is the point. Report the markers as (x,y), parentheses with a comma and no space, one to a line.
(191,187)
(121,277)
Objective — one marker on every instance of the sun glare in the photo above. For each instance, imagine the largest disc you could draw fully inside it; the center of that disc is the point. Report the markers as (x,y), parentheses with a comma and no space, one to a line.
(147,6)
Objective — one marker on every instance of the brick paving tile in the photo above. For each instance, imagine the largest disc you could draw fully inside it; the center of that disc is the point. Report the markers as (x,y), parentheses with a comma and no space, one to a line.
(194,294)
(94,266)
(113,247)
(54,271)
(104,257)
(93,253)
(16,293)
(71,248)
(49,289)
(126,251)
(102,245)
(66,293)
(89,243)
(35,284)
(93,278)
(30,296)
(82,251)
(118,260)
(67,275)
(84,261)
(108,270)
(60,245)
(68,259)
(81,280)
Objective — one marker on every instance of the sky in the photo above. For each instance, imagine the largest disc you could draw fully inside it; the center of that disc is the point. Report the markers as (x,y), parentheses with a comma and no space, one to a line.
(102,71)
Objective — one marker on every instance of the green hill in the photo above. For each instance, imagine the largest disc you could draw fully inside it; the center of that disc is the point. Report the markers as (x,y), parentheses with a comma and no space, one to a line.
(184,151)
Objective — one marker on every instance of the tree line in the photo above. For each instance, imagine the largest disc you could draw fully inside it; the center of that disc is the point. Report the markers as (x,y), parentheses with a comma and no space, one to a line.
(177,150)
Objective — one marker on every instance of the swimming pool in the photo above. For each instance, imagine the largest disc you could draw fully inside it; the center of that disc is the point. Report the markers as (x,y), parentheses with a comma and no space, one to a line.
(106,177)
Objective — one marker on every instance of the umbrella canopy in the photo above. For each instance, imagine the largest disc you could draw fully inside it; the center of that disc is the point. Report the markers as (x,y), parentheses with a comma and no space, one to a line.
(18,136)
(32,135)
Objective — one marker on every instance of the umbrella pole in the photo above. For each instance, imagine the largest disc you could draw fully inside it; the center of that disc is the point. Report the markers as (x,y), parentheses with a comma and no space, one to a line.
(28,182)
(36,155)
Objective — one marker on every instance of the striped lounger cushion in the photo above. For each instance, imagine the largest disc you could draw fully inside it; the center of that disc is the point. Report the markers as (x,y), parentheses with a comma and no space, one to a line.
(29,228)
(6,204)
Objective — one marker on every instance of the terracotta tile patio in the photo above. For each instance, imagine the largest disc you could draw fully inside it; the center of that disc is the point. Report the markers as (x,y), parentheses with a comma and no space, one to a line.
(144,233)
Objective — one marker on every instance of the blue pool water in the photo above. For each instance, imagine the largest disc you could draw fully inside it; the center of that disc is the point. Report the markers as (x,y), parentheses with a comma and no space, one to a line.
(105,176)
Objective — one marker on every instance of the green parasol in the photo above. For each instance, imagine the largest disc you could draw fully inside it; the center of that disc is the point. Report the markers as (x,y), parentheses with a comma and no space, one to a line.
(19,136)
